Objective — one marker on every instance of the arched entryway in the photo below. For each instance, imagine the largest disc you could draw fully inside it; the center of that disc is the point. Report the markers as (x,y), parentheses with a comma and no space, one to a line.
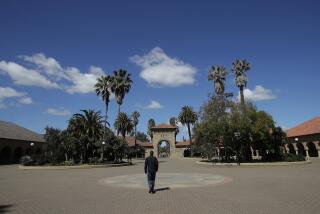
(5,155)
(291,149)
(164,149)
(301,150)
(187,152)
(312,149)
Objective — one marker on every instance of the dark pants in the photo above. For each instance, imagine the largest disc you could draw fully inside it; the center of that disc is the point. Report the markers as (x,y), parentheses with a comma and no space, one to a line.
(151,180)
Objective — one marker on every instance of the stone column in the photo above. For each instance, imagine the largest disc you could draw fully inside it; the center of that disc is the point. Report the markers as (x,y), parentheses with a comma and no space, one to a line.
(252,154)
(306,148)
(316,143)
(295,148)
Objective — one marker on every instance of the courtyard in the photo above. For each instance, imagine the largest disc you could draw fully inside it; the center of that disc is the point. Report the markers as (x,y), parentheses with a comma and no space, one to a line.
(276,189)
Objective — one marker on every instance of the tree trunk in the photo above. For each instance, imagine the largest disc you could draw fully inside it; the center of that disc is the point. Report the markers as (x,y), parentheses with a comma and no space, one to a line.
(118,117)
(189,132)
(241,97)
(105,122)
(135,139)
(66,156)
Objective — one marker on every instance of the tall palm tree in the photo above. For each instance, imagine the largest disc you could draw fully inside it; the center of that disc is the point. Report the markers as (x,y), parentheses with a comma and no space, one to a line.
(135,118)
(151,123)
(239,68)
(123,124)
(218,75)
(188,117)
(102,88)
(120,85)
(173,122)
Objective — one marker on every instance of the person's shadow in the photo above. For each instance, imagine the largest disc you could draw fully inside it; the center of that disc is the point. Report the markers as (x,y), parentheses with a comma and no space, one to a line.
(162,189)
(5,208)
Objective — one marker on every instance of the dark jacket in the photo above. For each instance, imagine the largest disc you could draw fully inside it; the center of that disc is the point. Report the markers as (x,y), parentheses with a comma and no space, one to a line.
(151,164)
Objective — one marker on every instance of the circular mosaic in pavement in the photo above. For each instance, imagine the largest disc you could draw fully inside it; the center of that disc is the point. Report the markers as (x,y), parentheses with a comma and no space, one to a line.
(166,180)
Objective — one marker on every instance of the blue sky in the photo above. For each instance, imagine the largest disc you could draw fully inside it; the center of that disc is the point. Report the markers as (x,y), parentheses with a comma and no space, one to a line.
(51,52)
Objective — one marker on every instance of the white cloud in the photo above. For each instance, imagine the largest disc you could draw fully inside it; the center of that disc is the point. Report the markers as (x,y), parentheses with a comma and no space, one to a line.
(6,92)
(158,69)
(24,76)
(46,72)
(58,112)
(154,105)
(26,100)
(83,83)
(45,64)
(258,93)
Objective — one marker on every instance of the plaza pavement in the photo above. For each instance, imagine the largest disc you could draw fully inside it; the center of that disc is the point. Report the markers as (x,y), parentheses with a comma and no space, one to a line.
(273,189)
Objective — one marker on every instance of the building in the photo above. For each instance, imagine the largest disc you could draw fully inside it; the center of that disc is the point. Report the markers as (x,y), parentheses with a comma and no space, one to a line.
(16,141)
(145,145)
(167,133)
(304,138)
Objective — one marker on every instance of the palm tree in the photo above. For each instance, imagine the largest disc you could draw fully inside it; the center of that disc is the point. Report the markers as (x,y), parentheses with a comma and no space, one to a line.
(239,68)
(151,123)
(123,124)
(88,125)
(135,118)
(120,85)
(188,117)
(173,122)
(103,87)
(218,75)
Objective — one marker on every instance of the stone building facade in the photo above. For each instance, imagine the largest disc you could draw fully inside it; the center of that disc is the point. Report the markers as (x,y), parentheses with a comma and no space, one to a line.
(167,133)
(16,141)
(304,138)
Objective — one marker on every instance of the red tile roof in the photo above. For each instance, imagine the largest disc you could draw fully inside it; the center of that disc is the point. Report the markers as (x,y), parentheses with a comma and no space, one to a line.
(183,143)
(164,126)
(130,142)
(309,127)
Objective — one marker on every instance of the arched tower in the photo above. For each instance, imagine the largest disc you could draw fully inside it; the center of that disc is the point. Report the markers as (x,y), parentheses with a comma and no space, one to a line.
(164,132)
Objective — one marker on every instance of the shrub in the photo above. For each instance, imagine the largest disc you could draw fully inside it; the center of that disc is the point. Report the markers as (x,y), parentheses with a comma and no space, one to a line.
(68,163)
(95,160)
(26,160)
(293,157)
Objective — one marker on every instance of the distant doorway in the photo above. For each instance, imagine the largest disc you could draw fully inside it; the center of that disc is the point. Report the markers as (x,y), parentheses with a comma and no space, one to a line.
(164,149)
(17,154)
(5,155)
(312,150)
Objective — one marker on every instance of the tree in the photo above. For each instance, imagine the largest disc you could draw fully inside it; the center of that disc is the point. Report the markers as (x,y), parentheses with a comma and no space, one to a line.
(218,75)
(141,136)
(188,117)
(135,119)
(102,88)
(151,123)
(120,85)
(53,138)
(88,124)
(240,67)
(211,131)
(123,124)
(173,122)
(68,145)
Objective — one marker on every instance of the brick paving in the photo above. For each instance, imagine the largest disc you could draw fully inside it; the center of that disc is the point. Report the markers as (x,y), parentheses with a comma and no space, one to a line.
(274,189)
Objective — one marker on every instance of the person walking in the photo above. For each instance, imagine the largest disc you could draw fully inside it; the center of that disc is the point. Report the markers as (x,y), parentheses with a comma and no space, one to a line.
(150,168)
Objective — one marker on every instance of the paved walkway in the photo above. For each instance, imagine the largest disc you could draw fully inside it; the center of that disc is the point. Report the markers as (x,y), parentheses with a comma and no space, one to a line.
(276,189)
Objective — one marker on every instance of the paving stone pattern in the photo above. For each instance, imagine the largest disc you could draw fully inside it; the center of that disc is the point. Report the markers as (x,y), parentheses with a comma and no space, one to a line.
(273,189)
